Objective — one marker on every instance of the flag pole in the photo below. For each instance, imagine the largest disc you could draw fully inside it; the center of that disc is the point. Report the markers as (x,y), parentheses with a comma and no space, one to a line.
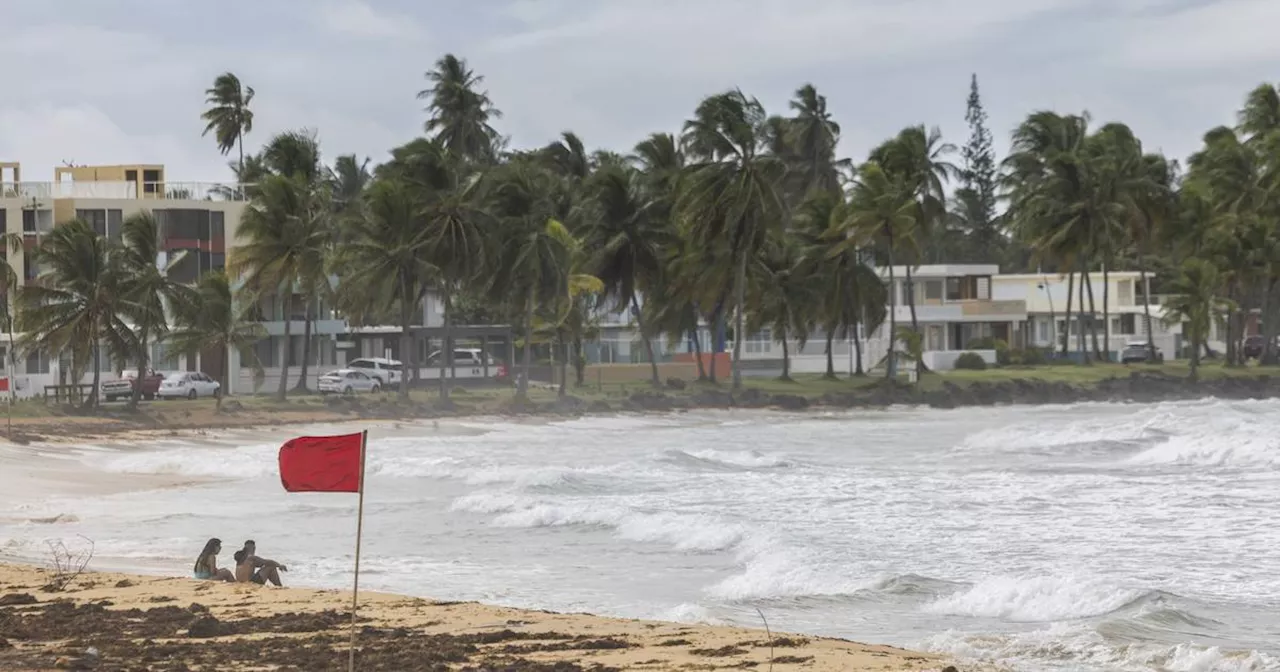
(355,588)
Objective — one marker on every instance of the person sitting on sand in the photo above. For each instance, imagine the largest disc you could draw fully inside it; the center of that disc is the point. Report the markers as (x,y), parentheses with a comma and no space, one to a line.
(252,569)
(207,564)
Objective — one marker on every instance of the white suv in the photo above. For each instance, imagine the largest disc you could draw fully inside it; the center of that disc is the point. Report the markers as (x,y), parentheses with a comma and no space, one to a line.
(388,372)
(467,362)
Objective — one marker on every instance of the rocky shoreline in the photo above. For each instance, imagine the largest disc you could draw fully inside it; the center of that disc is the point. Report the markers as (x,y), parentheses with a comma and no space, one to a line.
(1137,387)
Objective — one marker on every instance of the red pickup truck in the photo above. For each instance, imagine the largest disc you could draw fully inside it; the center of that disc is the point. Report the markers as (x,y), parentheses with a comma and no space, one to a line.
(122,388)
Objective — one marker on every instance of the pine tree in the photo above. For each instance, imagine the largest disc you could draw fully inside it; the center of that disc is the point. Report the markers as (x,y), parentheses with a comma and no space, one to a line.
(977,194)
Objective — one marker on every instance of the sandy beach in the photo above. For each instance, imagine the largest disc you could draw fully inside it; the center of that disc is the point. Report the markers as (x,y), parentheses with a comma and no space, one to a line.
(148,623)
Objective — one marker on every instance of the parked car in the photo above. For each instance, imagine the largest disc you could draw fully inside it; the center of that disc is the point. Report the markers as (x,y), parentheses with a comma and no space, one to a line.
(467,362)
(122,388)
(188,385)
(347,382)
(388,372)
(1140,352)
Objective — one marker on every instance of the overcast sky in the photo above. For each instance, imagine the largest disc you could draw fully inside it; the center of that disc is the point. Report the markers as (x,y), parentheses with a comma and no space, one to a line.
(123,81)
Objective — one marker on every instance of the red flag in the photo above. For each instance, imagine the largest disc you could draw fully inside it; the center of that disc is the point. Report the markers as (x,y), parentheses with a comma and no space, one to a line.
(322,463)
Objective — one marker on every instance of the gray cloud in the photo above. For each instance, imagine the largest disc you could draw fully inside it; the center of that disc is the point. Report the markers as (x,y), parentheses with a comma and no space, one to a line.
(124,81)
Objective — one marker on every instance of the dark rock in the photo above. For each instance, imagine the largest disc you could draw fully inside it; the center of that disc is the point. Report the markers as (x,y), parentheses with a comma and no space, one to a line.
(197,608)
(751,398)
(4,644)
(566,405)
(649,401)
(600,406)
(789,402)
(712,399)
(205,626)
(950,668)
(17,599)
(124,583)
(676,384)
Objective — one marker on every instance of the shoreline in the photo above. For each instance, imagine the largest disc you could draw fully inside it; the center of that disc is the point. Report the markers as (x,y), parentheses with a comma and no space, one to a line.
(161,623)
(178,419)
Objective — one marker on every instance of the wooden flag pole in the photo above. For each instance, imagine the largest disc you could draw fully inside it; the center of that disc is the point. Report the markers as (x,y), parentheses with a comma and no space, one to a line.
(355,588)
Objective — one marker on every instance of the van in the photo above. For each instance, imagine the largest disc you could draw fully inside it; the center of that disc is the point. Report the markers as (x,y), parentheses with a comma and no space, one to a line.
(467,362)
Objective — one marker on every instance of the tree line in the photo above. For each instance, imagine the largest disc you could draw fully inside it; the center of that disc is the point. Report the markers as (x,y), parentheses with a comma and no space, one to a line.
(741,217)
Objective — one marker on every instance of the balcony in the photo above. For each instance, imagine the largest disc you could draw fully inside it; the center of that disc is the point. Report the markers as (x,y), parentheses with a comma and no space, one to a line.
(163,191)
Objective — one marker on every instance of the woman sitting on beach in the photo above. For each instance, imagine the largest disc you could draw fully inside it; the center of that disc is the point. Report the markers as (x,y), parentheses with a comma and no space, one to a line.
(207,564)
(251,568)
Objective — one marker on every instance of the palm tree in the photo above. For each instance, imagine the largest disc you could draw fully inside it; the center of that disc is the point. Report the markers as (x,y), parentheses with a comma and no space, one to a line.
(814,136)
(627,240)
(1195,304)
(12,243)
(229,116)
(76,304)
(347,180)
(785,298)
(1051,195)
(285,236)
(296,154)
(384,257)
(881,210)
(916,158)
(208,316)
(459,114)
(455,224)
(146,288)
(849,291)
(532,254)
(732,190)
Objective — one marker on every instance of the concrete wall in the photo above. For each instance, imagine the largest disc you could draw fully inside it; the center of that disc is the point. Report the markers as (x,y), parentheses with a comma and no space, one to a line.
(615,374)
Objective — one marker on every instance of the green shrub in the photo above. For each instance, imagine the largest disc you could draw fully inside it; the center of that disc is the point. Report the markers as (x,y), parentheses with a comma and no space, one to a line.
(971,361)
(1001,347)
(1033,357)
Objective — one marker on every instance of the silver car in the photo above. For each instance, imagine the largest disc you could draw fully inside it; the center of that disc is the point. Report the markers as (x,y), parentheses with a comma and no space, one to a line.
(347,382)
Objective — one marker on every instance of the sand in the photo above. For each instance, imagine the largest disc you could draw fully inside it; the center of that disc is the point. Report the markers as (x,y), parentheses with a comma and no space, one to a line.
(149,623)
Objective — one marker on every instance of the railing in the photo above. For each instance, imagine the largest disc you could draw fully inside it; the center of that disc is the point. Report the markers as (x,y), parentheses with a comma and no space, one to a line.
(169,191)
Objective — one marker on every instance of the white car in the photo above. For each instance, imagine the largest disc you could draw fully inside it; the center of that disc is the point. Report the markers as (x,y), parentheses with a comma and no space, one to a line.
(388,372)
(346,382)
(467,362)
(188,385)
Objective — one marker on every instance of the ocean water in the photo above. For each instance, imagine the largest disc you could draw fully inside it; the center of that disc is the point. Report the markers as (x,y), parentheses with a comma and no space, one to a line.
(1086,537)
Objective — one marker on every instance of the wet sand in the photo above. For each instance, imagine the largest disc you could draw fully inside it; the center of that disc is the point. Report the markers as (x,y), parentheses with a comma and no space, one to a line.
(108,621)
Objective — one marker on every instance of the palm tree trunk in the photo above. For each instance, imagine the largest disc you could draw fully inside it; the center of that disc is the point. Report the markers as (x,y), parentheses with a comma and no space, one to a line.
(1106,312)
(891,359)
(97,375)
(136,395)
(831,364)
(1080,337)
(1093,323)
(564,365)
(406,335)
(921,368)
(739,305)
(306,347)
(288,348)
(1066,325)
(1270,326)
(579,362)
(648,343)
(522,390)
(446,345)
(1146,303)
(857,353)
(786,358)
(697,350)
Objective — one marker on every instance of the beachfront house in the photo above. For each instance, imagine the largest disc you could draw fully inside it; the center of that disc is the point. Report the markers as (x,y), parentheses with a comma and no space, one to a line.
(957,311)
(1125,321)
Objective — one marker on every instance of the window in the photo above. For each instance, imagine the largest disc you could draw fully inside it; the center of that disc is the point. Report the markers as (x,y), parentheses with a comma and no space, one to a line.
(115,218)
(37,363)
(1124,293)
(28,221)
(268,351)
(932,290)
(217,224)
(4,223)
(953,289)
(1128,324)
(94,218)
(130,176)
(1042,330)
(150,181)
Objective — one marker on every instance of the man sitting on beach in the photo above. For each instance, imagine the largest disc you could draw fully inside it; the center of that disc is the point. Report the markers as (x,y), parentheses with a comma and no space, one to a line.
(252,569)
